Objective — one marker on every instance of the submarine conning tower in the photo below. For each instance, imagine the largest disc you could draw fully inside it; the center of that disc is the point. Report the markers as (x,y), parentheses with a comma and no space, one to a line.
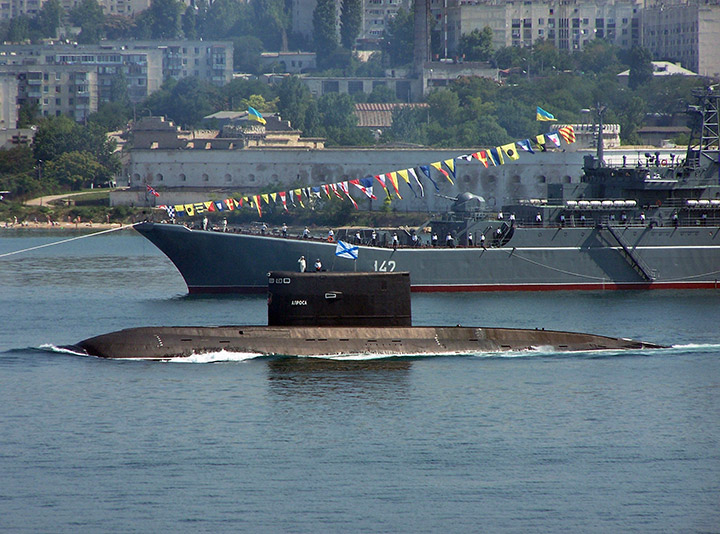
(337,299)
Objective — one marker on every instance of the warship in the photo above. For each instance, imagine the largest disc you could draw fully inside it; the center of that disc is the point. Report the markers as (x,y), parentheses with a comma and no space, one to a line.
(338,314)
(654,225)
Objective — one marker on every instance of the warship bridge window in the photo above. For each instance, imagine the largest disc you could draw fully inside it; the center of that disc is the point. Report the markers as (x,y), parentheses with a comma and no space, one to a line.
(516,179)
(205,177)
(566,179)
(159,177)
(275,177)
(136,177)
(251,177)
(183,178)
(228,178)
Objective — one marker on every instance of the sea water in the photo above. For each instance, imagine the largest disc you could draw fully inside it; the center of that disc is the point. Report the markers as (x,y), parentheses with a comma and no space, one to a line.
(522,442)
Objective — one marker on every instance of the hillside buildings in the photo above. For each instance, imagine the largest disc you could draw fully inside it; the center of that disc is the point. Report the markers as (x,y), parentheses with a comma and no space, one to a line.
(684,31)
(72,80)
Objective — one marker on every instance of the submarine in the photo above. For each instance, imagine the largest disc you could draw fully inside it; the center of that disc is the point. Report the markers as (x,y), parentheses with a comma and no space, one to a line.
(330,314)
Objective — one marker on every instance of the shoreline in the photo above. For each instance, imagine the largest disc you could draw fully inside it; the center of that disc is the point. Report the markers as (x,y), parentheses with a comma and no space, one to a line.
(64,226)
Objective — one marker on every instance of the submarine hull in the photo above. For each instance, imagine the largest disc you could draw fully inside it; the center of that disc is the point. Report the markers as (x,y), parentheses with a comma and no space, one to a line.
(165,343)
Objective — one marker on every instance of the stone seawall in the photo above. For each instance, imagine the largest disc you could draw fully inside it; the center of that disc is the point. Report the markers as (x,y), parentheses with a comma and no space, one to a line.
(182,176)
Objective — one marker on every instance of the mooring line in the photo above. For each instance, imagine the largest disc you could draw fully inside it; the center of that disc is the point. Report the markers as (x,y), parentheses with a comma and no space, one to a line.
(68,240)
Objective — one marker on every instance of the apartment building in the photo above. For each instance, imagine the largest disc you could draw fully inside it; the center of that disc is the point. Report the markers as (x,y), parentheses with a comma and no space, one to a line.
(57,90)
(14,8)
(688,33)
(569,24)
(375,16)
(73,79)
(8,101)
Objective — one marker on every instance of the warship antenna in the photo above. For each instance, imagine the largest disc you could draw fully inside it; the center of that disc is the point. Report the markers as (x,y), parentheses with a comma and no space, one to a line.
(600,109)
(705,137)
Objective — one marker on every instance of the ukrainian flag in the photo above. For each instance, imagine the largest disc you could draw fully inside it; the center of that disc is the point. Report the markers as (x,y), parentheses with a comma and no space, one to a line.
(254,114)
(543,115)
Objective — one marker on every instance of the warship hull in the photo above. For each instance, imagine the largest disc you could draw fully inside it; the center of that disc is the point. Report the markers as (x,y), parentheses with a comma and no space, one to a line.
(529,259)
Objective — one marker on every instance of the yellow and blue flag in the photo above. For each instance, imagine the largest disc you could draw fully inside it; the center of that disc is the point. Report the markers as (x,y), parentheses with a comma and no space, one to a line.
(254,114)
(542,115)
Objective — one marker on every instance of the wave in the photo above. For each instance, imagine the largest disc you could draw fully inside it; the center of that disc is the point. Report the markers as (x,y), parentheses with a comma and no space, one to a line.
(535,352)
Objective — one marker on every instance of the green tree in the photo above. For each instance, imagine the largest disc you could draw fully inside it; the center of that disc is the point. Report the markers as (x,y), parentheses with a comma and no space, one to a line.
(191,22)
(350,22)
(88,15)
(111,115)
(399,38)
(220,18)
(337,110)
(311,123)
(49,17)
(324,27)
(15,160)
(477,45)
(161,20)
(118,27)
(444,108)
(28,113)
(517,118)
(507,57)
(641,69)
(293,100)
(382,94)
(75,170)
(238,89)
(246,54)
(185,101)
(273,21)
(408,126)
(598,56)
(19,29)
(58,135)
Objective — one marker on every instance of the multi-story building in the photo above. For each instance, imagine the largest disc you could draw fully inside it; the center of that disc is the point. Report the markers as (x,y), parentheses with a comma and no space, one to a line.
(375,16)
(569,24)
(688,32)
(8,101)
(143,64)
(57,90)
(14,8)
